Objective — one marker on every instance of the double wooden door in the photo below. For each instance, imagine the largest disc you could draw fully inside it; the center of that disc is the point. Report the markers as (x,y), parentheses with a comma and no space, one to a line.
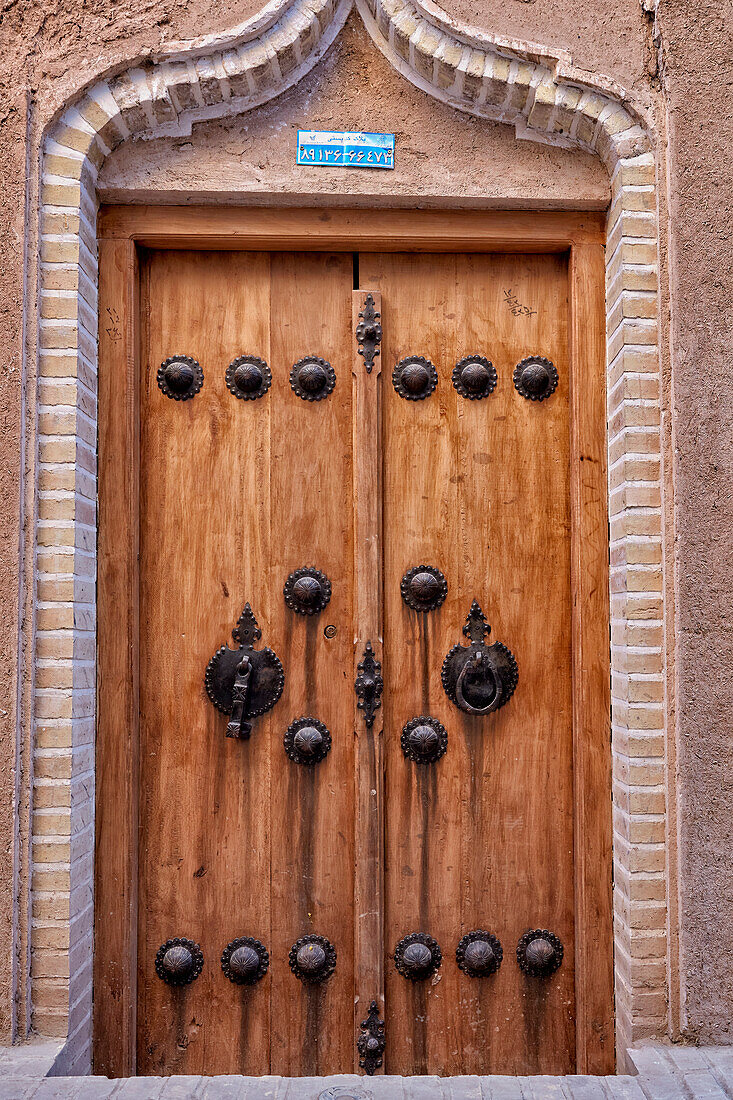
(359,826)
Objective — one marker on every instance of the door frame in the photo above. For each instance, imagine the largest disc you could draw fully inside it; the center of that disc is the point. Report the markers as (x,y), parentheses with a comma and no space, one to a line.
(122,231)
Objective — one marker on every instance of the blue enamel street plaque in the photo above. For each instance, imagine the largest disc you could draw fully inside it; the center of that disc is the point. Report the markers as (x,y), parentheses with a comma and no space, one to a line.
(348,150)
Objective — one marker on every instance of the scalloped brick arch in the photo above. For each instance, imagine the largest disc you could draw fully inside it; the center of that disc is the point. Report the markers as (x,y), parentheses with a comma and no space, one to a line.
(546,99)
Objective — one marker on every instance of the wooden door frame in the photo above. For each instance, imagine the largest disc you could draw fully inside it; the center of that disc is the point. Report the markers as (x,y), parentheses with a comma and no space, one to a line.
(122,230)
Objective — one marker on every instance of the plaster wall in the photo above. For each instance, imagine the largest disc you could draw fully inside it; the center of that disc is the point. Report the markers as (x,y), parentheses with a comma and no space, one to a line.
(678,68)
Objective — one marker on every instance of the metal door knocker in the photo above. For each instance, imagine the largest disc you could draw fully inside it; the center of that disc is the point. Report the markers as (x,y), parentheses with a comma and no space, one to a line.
(180,377)
(539,952)
(424,588)
(424,739)
(312,378)
(179,961)
(474,377)
(307,741)
(417,956)
(307,591)
(479,678)
(479,954)
(245,960)
(535,378)
(312,959)
(414,378)
(244,682)
(248,377)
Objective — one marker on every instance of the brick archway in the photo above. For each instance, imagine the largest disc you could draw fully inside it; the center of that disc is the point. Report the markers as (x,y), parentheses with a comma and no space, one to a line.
(544,98)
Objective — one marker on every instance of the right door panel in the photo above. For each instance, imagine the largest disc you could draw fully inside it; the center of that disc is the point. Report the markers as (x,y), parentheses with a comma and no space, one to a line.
(479,489)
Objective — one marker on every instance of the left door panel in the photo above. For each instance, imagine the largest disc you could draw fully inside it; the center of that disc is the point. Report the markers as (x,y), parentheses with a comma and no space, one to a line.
(235,838)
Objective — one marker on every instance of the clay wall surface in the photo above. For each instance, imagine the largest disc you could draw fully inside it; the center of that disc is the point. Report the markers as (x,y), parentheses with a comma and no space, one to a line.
(679,68)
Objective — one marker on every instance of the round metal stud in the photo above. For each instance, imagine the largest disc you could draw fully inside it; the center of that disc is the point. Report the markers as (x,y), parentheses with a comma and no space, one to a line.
(539,952)
(307,741)
(313,959)
(424,588)
(312,378)
(417,956)
(424,739)
(248,377)
(179,961)
(245,960)
(535,378)
(307,591)
(180,377)
(414,378)
(474,377)
(479,953)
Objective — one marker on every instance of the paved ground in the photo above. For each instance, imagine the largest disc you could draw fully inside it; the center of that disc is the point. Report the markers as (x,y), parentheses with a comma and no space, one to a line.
(664,1073)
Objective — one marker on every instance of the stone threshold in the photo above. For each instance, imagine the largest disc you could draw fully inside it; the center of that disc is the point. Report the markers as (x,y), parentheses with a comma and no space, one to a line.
(664,1072)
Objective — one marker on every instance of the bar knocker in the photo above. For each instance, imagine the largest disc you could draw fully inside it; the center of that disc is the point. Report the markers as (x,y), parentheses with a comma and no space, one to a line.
(244,682)
(479,678)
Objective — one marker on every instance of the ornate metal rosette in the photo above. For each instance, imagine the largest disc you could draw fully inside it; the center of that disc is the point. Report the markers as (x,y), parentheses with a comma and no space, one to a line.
(417,956)
(535,378)
(307,591)
(424,588)
(307,741)
(424,739)
(414,378)
(474,377)
(179,961)
(312,378)
(245,960)
(312,959)
(180,377)
(479,954)
(539,952)
(248,377)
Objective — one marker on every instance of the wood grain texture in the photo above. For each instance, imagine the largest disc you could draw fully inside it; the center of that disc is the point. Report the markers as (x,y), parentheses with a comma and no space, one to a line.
(115,867)
(591,685)
(368,628)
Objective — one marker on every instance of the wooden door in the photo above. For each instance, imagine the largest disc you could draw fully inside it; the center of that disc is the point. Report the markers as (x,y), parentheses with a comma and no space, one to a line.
(362,482)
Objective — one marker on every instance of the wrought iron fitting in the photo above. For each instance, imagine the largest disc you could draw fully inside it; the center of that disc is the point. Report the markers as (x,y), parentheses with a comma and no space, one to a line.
(248,377)
(179,961)
(539,952)
(414,378)
(369,685)
(479,954)
(371,1043)
(474,377)
(180,377)
(424,739)
(312,378)
(535,378)
(244,683)
(245,960)
(417,956)
(479,678)
(424,588)
(307,741)
(369,333)
(307,591)
(312,959)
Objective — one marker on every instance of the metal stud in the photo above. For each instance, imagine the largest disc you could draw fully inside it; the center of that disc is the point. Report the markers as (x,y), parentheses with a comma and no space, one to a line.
(245,960)
(539,952)
(424,588)
(417,956)
(312,378)
(474,377)
(479,954)
(248,377)
(312,959)
(179,961)
(180,377)
(307,741)
(535,378)
(414,378)
(424,739)
(307,591)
